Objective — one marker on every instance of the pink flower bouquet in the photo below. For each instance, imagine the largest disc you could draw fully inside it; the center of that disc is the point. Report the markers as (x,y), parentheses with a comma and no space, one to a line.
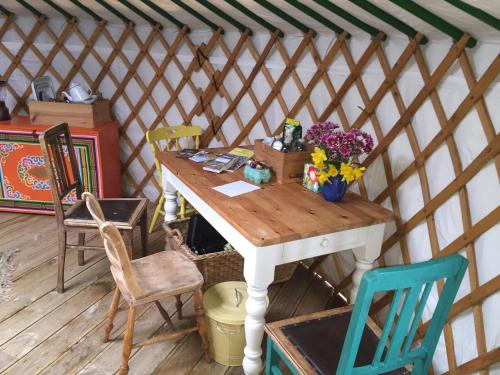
(335,151)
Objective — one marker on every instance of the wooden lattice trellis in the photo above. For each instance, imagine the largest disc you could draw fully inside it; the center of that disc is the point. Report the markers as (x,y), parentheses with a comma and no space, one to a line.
(217,87)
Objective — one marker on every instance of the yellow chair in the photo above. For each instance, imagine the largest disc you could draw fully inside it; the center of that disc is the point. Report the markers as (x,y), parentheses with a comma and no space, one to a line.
(166,139)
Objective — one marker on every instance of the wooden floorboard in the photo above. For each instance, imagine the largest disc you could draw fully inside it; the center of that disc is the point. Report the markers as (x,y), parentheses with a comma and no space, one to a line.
(43,332)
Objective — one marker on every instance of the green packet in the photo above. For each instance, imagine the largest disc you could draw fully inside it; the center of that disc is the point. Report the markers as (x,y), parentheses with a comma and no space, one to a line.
(292,131)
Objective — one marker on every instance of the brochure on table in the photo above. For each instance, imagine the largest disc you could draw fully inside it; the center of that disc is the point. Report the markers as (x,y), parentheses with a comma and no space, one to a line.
(218,162)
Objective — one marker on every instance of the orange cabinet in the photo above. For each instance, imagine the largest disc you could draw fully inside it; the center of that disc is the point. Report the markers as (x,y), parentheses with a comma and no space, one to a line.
(24,184)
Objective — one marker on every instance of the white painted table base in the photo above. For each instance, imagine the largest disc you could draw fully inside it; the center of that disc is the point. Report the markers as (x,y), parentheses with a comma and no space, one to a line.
(260,262)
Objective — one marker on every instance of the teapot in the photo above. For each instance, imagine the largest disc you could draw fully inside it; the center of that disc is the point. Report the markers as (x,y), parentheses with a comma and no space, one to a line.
(77,93)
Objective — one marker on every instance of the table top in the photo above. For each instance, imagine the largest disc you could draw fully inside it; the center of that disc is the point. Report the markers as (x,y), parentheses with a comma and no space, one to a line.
(276,213)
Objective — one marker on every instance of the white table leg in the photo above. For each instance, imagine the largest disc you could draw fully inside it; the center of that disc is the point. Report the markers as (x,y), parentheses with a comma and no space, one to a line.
(170,206)
(366,256)
(259,274)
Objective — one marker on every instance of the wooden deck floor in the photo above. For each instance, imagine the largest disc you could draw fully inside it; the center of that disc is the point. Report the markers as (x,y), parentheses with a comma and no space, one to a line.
(43,332)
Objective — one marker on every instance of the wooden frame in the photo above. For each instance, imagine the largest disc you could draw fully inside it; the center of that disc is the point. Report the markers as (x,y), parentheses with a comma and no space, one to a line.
(457,56)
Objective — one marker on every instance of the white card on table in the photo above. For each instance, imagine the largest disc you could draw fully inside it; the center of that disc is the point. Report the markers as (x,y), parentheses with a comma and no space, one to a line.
(236,188)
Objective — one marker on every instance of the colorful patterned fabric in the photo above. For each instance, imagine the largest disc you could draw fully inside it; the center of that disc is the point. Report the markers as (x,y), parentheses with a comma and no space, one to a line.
(24,182)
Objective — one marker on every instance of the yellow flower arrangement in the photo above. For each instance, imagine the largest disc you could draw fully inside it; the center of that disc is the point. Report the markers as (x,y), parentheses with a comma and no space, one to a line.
(335,156)
(318,157)
(323,177)
(346,170)
(359,172)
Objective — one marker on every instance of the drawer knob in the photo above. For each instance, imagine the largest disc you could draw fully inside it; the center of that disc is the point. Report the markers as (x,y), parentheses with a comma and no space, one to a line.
(324,242)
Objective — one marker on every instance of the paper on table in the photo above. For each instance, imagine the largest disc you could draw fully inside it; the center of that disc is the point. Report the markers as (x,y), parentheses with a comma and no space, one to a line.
(236,188)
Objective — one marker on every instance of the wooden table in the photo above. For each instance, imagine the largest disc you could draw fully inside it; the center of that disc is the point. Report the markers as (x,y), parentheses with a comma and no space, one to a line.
(274,225)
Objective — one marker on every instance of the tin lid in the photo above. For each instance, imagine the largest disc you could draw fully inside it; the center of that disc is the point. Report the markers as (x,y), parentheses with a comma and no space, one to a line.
(225,302)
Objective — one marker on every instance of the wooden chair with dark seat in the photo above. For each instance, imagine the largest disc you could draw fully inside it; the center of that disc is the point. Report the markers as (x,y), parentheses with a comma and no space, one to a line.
(66,184)
(147,280)
(347,341)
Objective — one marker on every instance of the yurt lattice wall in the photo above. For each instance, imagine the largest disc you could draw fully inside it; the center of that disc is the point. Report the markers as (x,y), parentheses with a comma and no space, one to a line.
(432,108)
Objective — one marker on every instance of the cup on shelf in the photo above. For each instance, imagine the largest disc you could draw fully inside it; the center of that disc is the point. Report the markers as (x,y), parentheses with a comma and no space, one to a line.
(77,93)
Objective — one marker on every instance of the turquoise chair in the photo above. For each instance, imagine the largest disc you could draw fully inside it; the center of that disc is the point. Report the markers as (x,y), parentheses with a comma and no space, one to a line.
(347,341)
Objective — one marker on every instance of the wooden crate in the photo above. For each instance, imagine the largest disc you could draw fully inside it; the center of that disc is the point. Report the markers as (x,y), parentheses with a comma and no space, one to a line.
(78,115)
(287,166)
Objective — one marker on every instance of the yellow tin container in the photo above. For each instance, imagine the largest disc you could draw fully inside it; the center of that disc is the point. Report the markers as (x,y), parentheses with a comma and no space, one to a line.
(225,310)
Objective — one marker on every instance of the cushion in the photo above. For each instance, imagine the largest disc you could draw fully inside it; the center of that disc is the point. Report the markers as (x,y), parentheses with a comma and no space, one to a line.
(321,341)
(117,210)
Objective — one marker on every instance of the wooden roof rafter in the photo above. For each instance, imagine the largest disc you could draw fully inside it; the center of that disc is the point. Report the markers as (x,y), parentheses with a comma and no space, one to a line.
(476,13)
(7,13)
(434,20)
(140,13)
(69,17)
(261,21)
(116,12)
(410,6)
(242,28)
(373,31)
(166,15)
(32,9)
(318,17)
(389,19)
(89,11)
(199,16)
(286,17)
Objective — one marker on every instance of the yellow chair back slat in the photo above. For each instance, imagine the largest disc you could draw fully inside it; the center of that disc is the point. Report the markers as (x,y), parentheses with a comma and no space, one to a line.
(168,139)
(168,134)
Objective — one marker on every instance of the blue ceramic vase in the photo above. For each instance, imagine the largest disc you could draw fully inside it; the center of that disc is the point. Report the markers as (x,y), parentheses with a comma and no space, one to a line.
(335,189)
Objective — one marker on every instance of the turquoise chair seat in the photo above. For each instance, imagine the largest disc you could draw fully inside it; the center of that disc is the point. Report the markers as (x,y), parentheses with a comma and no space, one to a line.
(347,341)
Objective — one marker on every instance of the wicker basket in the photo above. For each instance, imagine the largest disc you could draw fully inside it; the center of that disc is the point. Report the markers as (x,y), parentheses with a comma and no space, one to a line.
(217,267)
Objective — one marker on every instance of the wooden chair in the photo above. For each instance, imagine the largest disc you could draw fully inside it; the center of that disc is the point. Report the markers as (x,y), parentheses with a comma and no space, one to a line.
(347,341)
(147,280)
(65,180)
(164,139)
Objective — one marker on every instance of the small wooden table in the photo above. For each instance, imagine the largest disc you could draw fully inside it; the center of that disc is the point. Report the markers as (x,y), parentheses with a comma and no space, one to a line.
(274,225)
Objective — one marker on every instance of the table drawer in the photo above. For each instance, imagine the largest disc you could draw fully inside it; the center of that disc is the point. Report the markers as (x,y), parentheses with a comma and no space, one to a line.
(324,244)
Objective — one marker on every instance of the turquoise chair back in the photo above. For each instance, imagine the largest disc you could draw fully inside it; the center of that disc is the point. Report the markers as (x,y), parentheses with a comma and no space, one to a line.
(412,285)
